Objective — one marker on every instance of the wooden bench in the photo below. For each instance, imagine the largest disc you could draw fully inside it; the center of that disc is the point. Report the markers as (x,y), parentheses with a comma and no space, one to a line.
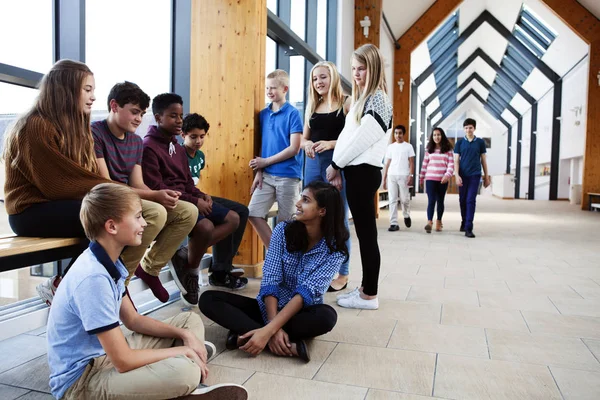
(18,252)
(591,204)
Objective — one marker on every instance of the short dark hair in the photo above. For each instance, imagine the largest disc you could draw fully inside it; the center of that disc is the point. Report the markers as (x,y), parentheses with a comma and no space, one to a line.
(162,101)
(194,120)
(402,128)
(470,121)
(128,92)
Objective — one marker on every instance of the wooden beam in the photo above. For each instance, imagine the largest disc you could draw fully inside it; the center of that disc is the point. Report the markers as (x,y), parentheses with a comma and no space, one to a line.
(227,37)
(427,23)
(371,9)
(587,26)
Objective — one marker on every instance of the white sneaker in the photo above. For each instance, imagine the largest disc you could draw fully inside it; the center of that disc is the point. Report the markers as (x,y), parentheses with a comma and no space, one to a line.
(222,391)
(351,293)
(211,350)
(359,302)
(46,290)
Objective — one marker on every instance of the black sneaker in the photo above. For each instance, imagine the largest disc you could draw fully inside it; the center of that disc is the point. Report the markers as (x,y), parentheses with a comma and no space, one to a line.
(228,281)
(393,228)
(221,391)
(185,278)
(462,226)
(469,234)
(407,222)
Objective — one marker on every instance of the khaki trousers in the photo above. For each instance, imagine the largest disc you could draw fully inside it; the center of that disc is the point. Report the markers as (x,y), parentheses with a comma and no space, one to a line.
(166,379)
(162,237)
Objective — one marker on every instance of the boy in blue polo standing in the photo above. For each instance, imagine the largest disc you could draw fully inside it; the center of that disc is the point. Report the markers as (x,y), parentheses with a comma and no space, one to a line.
(469,158)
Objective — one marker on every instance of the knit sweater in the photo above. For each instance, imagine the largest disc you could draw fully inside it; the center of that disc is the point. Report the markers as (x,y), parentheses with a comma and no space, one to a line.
(436,165)
(42,172)
(165,166)
(365,143)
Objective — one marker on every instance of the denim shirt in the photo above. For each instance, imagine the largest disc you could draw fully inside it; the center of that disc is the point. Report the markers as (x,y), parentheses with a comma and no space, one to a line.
(286,274)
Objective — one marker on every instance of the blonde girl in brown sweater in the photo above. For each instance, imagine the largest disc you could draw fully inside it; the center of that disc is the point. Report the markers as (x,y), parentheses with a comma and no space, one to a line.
(49,156)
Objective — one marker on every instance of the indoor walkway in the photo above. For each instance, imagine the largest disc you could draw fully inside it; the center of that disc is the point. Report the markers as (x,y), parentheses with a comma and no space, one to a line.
(512,314)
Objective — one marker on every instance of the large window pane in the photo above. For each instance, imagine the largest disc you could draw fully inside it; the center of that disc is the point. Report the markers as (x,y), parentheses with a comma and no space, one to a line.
(297,82)
(15,100)
(271,59)
(322,28)
(272,5)
(132,44)
(26,34)
(298,18)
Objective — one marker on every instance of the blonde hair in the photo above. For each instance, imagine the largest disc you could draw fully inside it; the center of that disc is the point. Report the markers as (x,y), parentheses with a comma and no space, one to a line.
(106,201)
(58,103)
(280,76)
(370,56)
(334,95)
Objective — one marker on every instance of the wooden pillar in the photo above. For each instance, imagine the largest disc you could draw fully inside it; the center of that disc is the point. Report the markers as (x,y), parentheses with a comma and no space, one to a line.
(587,26)
(227,86)
(427,23)
(371,9)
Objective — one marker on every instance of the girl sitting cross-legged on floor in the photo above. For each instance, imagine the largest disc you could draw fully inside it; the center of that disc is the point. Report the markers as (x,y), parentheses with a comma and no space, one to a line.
(302,259)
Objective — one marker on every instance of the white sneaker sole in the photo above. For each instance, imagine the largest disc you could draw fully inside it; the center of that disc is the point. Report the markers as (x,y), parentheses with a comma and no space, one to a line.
(359,303)
(211,350)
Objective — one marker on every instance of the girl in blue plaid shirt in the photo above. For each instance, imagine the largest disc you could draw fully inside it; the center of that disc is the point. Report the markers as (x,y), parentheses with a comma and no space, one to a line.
(302,259)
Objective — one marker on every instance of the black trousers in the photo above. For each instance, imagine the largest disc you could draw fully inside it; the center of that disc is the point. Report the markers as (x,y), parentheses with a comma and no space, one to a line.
(362,182)
(241,314)
(226,249)
(53,219)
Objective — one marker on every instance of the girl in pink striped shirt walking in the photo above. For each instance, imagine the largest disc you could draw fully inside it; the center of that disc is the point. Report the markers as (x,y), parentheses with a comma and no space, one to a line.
(436,171)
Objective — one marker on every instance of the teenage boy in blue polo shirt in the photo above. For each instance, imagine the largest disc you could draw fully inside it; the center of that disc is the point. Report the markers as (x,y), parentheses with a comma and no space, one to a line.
(88,354)
(469,157)
(279,167)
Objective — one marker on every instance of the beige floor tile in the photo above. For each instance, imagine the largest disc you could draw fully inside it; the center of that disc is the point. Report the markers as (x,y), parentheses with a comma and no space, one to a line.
(401,279)
(577,385)
(219,374)
(359,330)
(275,387)
(444,296)
(433,272)
(589,291)
(266,362)
(489,285)
(594,346)
(581,307)
(516,301)
(454,314)
(541,349)
(389,290)
(563,325)
(437,338)
(405,311)
(375,394)
(532,288)
(468,378)
(388,369)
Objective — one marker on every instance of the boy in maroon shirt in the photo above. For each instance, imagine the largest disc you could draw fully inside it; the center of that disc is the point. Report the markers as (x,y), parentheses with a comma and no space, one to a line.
(165,166)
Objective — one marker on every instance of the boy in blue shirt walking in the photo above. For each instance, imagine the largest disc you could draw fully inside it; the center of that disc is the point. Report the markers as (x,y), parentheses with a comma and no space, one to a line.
(469,157)
(279,167)
(88,354)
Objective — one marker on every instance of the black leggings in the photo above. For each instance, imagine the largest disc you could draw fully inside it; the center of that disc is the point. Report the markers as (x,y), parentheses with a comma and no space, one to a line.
(53,219)
(362,182)
(241,314)
(436,192)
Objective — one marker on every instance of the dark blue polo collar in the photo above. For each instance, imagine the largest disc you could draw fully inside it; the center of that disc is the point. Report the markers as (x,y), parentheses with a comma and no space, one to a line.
(102,256)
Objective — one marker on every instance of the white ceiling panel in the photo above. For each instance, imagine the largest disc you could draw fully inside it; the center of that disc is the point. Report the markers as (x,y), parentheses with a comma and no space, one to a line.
(427,87)
(505,11)
(419,60)
(508,117)
(475,85)
(537,84)
(479,66)
(492,43)
(567,49)
(432,106)
(469,11)
(402,15)
(520,104)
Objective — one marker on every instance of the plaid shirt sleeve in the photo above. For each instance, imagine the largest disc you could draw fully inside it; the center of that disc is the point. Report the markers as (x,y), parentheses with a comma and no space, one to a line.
(315,279)
(273,267)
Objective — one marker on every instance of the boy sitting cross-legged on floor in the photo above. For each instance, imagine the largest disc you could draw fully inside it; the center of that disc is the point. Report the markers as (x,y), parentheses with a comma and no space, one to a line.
(119,154)
(88,355)
(194,130)
(165,166)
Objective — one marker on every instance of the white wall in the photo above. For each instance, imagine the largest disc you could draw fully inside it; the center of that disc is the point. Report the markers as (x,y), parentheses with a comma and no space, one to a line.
(386,45)
(544,129)
(345,37)
(574,93)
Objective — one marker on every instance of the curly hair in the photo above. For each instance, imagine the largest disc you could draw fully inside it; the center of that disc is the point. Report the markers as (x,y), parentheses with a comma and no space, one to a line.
(445,145)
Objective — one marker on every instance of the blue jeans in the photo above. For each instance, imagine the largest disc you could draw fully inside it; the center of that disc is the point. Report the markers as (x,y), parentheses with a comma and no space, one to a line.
(467,195)
(436,191)
(315,169)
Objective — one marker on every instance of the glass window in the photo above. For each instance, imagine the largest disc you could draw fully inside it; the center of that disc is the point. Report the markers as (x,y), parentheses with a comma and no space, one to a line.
(272,5)
(26,34)
(139,51)
(298,18)
(271,61)
(322,28)
(15,100)
(297,83)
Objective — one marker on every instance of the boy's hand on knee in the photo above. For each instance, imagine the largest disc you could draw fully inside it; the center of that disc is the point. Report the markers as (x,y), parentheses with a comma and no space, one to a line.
(203,207)
(167,198)
(190,340)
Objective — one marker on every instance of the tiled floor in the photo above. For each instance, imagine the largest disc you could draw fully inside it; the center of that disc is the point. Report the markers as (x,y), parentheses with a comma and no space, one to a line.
(513,314)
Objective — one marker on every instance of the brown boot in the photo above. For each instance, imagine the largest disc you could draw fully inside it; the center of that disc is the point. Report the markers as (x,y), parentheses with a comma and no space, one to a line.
(428,226)
(438,226)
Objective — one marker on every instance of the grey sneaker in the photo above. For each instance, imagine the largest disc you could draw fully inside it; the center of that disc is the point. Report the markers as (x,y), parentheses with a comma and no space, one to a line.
(211,350)
(221,391)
